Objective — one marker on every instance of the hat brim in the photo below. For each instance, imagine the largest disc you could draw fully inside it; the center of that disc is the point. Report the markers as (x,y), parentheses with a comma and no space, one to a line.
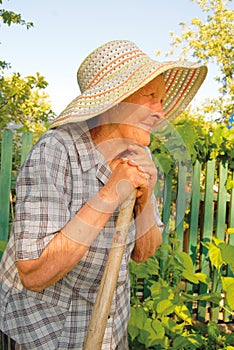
(182,81)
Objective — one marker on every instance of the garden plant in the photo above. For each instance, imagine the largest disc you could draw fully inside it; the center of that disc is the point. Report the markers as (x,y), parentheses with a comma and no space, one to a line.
(161,312)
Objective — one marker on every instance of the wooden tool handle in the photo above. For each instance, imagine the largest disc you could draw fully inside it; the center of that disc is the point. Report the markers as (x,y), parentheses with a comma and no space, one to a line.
(105,294)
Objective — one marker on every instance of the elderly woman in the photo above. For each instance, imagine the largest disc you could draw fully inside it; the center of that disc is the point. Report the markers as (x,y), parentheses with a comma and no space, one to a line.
(69,192)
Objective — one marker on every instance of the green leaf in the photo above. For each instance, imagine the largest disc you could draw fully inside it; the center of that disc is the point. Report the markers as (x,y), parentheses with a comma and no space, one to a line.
(227,253)
(152,266)
(172,326)
(212,297)
(133,331)
(194,277)
(190,341)
(207,245)
(155,289)
(228,287)
(141,317)
(185,261)
(185,297)
(179,343)
(202,277)
(183,312)
(165,307)
(152,333)
(139,270)
(136,322)
(217,241)
(158,329)
(213,330)
(216,257)
(190,276)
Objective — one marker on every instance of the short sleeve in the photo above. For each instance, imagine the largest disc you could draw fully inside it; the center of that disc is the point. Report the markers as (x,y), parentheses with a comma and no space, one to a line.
(43,198)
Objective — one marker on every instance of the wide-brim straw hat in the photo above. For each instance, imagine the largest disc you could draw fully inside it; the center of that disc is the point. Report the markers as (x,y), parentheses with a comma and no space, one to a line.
(119,68)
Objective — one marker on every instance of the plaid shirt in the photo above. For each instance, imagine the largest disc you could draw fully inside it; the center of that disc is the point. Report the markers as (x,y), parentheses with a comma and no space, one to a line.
(62,172)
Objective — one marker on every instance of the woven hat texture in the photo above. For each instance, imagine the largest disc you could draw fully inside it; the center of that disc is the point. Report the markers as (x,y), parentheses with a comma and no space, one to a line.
(119,68)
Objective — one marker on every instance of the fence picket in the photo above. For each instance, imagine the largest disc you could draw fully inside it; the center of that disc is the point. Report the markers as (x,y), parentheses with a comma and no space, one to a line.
(231,212)
(166,212)
(181,202)
(227,316)
(194,220)
(5,183)
(195,209)
(27,140)
(220,228)
(207,231)
(222,200)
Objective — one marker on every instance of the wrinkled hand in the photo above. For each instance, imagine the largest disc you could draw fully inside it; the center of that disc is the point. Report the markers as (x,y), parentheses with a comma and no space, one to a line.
(134,170)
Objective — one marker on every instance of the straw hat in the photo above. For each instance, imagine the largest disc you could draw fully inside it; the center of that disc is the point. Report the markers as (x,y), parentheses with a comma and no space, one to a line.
(119,68)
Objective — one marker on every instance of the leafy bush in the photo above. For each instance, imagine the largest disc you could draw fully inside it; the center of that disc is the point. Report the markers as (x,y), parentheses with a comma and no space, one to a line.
(191,138)
(161,312)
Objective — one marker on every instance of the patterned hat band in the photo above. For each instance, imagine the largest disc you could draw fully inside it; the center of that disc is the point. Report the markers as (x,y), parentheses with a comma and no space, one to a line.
(119,68)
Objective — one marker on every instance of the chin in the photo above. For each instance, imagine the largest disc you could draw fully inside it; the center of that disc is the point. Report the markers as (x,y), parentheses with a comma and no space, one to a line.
(144,140)
(143,143)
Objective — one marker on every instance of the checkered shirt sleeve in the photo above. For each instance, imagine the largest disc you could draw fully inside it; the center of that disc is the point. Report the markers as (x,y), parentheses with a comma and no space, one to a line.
(43,197)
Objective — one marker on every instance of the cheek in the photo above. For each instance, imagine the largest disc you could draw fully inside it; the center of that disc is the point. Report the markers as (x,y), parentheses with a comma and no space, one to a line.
(140,136)
(138,115)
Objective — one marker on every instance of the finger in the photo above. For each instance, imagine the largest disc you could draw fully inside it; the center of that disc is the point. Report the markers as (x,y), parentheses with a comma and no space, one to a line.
(143,170)
(115,163)
(145,166)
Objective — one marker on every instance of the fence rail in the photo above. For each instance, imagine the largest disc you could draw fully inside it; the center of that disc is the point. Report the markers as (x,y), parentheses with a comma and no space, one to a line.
(210,213)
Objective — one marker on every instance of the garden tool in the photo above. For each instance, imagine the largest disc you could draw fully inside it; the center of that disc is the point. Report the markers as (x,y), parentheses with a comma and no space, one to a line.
(105,294)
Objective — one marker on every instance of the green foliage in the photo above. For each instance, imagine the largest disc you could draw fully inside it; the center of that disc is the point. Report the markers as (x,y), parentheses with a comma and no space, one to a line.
(191,138)
(161,308)
(206,140)
(211,41)
(23,102)
(221,255)
(10,17)
(168,148)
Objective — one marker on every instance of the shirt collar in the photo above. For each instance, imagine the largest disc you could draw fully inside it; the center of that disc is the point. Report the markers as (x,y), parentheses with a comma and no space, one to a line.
(89,155)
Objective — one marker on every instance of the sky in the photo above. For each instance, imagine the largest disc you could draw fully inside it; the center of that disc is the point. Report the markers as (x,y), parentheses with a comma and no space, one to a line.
(66,31)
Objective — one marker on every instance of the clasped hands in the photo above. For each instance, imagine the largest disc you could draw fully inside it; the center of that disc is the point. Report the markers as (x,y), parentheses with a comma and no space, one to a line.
(134,169)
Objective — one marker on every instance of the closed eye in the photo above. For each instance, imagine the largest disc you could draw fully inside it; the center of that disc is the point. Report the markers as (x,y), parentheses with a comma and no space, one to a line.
(148,95)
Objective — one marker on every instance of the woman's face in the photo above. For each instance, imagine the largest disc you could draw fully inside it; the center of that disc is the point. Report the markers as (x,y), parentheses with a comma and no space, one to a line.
(141,112)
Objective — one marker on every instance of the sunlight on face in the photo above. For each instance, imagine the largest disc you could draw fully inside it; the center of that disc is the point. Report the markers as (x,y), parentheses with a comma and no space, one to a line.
(150,95)
(142,112)
(135,118)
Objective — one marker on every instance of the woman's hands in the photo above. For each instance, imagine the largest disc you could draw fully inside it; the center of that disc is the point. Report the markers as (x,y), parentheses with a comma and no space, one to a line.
(134,169)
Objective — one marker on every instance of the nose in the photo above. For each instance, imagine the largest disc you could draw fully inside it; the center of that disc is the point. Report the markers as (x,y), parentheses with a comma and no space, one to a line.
(156,106)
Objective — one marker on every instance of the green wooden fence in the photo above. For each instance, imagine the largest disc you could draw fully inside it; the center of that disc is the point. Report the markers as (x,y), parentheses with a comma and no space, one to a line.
(210,213)
(7,179)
